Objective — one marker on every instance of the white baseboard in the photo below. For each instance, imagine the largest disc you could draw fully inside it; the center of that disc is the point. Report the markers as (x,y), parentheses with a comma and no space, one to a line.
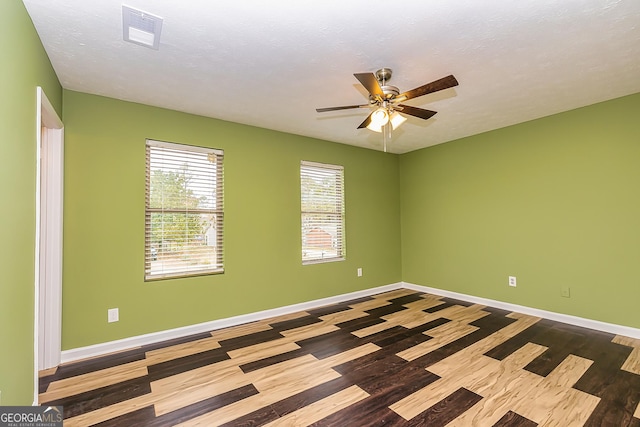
(558,317)
(76,354)
(140,340)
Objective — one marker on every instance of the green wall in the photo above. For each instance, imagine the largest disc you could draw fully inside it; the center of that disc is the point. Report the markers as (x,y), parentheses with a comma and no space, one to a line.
(104,221)
(24,66)
(553,202)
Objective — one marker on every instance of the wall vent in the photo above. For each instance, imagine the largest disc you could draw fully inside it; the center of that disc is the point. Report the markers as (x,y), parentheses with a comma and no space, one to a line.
(141,27)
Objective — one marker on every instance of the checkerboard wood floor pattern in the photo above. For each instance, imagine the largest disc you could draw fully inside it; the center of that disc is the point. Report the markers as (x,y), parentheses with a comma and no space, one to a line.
(401,358)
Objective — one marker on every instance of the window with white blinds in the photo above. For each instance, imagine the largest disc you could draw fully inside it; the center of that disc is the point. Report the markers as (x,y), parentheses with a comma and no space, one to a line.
(322,203)
(184,211)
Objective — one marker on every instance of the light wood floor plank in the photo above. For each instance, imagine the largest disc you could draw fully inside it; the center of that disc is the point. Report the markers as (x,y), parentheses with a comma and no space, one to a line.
(424,303)
(442,335)
(263,350)
(349,355)
(632,364)
(47,372)
(240,330)
(180,350)
(370,304)
(554,395)
(310,331)
(343,316)
(572,410)
(397,293)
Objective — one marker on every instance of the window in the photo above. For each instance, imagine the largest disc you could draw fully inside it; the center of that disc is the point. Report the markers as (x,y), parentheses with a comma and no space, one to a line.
(322,203)
(184,211)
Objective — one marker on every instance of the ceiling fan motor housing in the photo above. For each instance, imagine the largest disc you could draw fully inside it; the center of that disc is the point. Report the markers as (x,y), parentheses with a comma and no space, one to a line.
(390,92)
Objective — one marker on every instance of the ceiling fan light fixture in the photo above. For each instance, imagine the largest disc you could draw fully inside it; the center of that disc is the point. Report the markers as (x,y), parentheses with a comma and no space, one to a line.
(376,128)
(396,120)
(380,117)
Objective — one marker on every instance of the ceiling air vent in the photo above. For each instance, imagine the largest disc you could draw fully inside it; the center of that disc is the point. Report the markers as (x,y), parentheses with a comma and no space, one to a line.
(141,27)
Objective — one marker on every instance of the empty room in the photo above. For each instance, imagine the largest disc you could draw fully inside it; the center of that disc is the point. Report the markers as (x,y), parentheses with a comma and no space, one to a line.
(330,214)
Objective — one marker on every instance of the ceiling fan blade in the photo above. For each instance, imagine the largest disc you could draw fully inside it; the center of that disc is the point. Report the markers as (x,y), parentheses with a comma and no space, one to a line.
(366,122)
(435,86)
(346,107)
(370,83)
(416,112)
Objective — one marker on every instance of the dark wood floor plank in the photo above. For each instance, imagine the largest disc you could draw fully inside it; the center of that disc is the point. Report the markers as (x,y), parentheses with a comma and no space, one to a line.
(560,345)
(403,338)
(406,299)
(305,398)
(619,393)
(385,310)
(365,413)
(186,363)
(493,322)
(330,309)
(176,341)
(359,323)
(511,419)
(250,339)
(295,323)
(384,374)
(102,397)
(445,411)
(256,418)
(457,302)
(330,344)
(268,361)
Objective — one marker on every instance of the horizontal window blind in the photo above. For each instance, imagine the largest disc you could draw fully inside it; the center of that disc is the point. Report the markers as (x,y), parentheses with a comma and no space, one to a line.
(184,213)
(323,212)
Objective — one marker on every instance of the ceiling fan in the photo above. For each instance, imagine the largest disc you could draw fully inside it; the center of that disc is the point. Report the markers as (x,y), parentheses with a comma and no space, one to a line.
(385,101)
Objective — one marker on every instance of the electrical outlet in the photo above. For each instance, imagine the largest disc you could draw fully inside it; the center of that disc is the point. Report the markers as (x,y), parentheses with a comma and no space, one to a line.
(566,292)
(113,315)
(359,271)
(512,281)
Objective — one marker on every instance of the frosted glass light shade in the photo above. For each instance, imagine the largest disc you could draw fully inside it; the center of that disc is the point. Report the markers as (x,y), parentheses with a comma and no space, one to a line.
(396,120)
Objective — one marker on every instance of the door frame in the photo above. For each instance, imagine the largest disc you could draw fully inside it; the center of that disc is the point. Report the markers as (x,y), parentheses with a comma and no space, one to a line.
(48,250)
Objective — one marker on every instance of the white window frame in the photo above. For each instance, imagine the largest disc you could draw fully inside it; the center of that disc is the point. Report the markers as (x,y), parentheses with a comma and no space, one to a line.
(322,214)
(204,178)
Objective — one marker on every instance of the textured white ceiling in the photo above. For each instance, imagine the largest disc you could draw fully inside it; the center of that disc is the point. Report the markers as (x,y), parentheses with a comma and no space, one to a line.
(271,63)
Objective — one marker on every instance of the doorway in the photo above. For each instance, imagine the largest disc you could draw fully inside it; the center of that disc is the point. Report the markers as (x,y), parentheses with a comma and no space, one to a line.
(48,266)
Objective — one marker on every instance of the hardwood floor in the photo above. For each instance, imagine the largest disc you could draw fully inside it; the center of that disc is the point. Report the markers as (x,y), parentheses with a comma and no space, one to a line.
(400,358)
